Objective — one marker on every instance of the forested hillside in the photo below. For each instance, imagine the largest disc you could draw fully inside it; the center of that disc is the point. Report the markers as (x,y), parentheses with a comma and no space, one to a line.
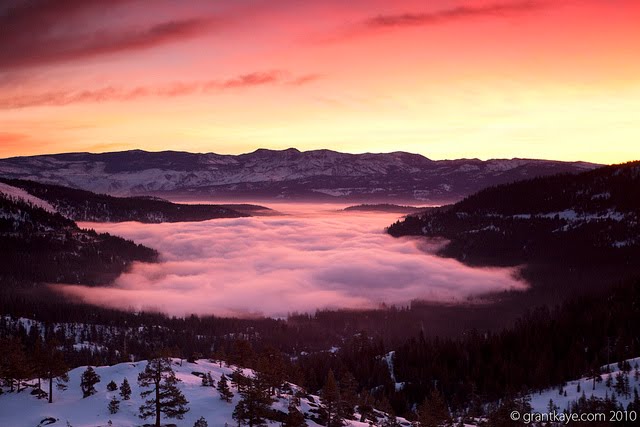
(37,246)
(545,348)
(581,229)
(81,205)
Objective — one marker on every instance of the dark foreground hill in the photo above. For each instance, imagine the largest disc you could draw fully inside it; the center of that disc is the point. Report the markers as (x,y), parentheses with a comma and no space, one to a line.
(385,207)
(569,231)
(81,205)
(38,246)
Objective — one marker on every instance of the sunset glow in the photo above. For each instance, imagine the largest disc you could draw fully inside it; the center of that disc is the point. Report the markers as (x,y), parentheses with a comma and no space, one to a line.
(556,79)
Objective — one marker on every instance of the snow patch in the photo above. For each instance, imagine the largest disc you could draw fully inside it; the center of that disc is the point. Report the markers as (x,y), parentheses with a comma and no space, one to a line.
(19,193)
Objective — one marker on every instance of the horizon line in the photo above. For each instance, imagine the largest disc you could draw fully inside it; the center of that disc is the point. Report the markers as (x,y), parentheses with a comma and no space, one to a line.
(306,151)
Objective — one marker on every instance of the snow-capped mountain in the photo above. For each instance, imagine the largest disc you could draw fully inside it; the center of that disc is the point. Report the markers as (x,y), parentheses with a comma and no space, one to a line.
(287,174)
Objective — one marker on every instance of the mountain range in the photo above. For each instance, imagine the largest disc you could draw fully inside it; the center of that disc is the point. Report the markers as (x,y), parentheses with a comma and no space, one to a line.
(319,175)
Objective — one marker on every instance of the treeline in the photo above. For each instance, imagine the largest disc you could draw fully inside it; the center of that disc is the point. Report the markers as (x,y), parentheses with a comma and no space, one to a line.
(615,186)
(81,205)
(570,233)
(37,246)
(546,347)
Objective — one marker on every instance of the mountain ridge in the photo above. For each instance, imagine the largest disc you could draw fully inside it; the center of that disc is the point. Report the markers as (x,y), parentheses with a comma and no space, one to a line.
(82,205)
(39,246)
(290,174)
(566,230)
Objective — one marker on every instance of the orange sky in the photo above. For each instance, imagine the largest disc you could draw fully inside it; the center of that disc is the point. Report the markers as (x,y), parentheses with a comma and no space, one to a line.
(556,79)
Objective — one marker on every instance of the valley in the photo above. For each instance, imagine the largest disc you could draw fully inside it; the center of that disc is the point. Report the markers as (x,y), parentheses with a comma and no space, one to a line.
(389,298)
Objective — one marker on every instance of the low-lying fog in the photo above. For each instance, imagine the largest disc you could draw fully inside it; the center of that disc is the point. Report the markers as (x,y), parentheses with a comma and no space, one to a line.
(312,257)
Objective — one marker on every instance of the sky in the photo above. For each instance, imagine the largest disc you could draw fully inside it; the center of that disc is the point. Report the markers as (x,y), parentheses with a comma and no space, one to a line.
(313,257)
(556,79)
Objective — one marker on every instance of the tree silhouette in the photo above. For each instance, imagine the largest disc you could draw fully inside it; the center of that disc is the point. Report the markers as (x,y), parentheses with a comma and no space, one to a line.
(88,382)
(330,398)
(254,406)
(125,390)
(295,418)
(166,398)
(55,365)
(114,405)
(223,389)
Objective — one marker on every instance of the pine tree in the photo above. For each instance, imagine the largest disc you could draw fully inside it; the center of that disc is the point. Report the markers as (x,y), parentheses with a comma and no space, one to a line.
(364,406)
(125,390)
(348,395)
(112,386)
(88,381)
(39,362)
(270,369)
(390,421)
(201,422)
(13,361)
(114,405)
(434,411)
(253,407)
(219,355)
(295,418)
(207,380)
(166,398)
(596,375)
(501,415)
(238,380)
(330,398)
(223,389)
(56,368)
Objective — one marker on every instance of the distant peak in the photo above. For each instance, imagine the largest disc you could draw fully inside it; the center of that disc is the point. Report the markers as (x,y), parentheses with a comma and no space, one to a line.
(271,151)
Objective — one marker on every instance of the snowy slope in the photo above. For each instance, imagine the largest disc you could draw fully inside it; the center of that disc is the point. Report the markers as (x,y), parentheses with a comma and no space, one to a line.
(21,194)
(23,409)
(288,174)
(540,401)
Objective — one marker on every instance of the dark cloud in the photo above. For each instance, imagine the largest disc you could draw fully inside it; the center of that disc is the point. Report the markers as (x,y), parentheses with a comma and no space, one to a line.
(418,19)
(276,265)
(43,32)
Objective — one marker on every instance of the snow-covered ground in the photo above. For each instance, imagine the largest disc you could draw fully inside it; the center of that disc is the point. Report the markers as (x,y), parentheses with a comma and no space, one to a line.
(540,401)
(25,410)
(19,193)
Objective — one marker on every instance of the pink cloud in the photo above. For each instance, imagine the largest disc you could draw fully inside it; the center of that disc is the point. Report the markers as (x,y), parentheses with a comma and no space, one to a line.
(277,265)
(175,89)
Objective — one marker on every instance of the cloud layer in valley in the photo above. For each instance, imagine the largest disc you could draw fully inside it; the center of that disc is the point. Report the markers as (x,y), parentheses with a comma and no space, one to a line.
(281,264)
